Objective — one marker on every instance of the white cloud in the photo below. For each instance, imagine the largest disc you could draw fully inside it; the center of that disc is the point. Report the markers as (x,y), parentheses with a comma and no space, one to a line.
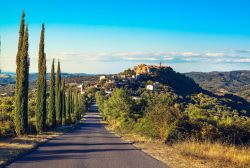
(190,54)
(242,51)
(156,56)
(210,54)
(246,60)
(70,54)
(167,58)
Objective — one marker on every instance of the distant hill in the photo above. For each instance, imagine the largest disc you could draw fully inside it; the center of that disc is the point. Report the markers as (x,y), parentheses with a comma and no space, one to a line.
(9,77)
(233,82)
(187,88)
(8,80)
(33,76)
(151,99)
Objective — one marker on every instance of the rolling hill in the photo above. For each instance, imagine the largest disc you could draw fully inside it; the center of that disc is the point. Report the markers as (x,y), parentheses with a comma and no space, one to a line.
(233,82)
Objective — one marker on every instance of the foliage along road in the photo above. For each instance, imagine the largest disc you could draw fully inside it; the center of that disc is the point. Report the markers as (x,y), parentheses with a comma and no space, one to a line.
(89,146)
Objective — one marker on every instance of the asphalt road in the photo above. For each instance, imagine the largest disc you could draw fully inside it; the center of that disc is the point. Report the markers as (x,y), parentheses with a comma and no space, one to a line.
(90,146)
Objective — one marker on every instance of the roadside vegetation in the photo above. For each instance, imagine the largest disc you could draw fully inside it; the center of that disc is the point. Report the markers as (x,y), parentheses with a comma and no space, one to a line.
(197,123)
(162,116)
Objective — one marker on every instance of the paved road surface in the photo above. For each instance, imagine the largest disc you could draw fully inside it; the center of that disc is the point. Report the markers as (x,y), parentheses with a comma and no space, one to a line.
(90,146)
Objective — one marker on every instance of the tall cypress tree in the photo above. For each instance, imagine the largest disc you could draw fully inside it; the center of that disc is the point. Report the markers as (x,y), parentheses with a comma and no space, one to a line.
(58,95)
(73,106)
(76,107)
(41,87)
(24,75)
(22,70)
(52,114)
(44,93)
(68,109)
(20,43)
(63,103)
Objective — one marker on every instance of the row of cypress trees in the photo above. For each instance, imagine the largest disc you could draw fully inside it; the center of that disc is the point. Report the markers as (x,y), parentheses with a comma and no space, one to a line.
(63,107)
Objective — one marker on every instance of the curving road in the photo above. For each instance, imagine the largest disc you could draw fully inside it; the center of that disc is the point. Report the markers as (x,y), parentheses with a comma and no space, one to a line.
(90,146)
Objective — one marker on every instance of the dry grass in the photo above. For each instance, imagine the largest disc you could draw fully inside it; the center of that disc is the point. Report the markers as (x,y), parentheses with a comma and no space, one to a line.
(192,154)
(219,153)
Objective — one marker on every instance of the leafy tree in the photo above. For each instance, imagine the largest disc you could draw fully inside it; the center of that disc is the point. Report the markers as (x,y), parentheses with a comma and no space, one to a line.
(162,113)
(100,97)
(41,87)
(118,108)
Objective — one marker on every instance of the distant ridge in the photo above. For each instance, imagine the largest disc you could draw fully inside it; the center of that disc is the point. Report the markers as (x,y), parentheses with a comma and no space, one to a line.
(10,77)
(232,82)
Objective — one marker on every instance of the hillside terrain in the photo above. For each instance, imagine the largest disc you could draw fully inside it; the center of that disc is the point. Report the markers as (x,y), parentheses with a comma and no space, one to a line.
(234,82)
(155,103)
(161,103)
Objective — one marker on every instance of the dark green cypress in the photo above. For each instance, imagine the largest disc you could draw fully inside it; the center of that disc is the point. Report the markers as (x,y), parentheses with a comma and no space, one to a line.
(41,87)
(68,109)
(52,114)
(58,95)
(20,43)
(73,107)
(63,103)
(22,70)
(44,94)
(76,107)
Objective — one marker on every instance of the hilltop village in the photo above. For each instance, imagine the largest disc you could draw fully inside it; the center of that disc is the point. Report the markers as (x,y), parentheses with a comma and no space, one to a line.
(130,79)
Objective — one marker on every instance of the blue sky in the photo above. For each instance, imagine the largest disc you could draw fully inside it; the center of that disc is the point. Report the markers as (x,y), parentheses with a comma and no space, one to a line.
(107,36)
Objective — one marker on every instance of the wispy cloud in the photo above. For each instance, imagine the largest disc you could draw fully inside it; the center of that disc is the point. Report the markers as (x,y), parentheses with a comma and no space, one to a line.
(242,51)
(246,60)
(216,54)
(152,56)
